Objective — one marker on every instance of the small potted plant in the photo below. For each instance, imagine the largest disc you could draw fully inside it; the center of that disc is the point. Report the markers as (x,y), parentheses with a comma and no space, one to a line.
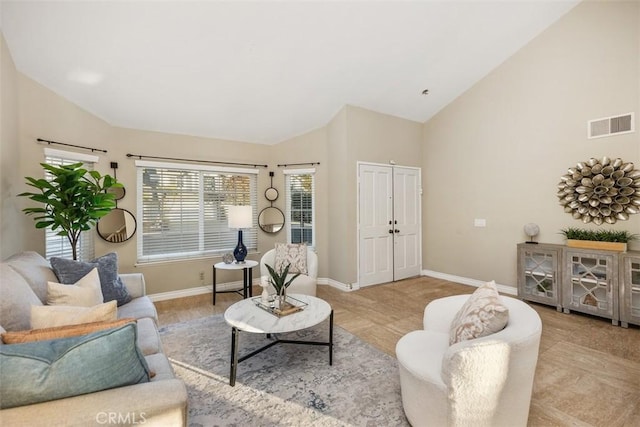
(598,239)
(280,283)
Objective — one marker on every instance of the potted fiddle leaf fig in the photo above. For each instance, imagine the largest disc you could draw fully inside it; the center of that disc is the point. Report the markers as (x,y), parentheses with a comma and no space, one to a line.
(280,282)
(73,200)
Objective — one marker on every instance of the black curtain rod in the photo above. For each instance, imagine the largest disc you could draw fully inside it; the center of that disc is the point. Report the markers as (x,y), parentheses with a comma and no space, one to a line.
(140,156)
(71,145)
(299,164)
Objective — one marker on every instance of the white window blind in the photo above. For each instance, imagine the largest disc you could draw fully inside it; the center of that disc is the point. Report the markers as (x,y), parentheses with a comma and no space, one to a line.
(300,200)
(183,209)
(59,246)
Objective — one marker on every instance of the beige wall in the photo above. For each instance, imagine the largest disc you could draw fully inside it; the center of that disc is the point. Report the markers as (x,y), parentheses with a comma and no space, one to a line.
(381,138)
(362,136)
(498,151)
(11,240)
(44,114)
(310,147)
(338,155)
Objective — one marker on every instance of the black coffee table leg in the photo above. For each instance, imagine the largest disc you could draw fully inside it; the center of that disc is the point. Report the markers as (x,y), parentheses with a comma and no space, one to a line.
(214,285)
(234,356)
(331,338)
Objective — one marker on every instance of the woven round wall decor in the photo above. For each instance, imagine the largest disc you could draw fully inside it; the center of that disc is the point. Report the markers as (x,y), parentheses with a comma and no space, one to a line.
(601,191)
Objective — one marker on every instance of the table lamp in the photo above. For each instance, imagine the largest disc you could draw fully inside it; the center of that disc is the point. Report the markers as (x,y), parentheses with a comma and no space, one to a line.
(240,217)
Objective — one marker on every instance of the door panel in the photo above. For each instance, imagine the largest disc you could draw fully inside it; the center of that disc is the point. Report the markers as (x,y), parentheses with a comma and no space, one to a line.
(406,211)
(375,212)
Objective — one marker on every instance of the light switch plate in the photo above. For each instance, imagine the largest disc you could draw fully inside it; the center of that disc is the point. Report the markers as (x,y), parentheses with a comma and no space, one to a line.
(479,222)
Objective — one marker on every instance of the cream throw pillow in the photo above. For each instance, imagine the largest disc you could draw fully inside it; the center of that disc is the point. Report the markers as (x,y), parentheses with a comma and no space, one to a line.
(86,292)
(48,316)
(481,315)
(292,254)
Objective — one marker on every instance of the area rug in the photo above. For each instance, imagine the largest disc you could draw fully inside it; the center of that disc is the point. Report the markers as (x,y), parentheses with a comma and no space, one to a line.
(286,385)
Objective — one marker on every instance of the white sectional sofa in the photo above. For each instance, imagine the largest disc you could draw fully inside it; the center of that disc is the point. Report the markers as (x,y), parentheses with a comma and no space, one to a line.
(161,401)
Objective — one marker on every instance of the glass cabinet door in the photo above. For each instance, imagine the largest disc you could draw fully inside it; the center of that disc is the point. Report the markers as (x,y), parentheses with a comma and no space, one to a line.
(630,290)
(590,284)
(538,278)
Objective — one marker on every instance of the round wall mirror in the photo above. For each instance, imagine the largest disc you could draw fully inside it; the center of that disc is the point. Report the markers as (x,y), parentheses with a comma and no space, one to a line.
(271,194)
(271,220)
(117,226)
(119,192)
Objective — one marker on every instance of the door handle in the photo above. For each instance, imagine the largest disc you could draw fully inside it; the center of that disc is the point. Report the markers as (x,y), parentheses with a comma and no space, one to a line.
(390,231)
(396,230)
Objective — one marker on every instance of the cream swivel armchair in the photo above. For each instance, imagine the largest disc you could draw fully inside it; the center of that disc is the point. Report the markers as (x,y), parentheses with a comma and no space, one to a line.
(304,283)
(484,381)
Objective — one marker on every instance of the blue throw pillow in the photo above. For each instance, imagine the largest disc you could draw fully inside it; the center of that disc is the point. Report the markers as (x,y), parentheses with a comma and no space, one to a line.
(47,370)
(69,271)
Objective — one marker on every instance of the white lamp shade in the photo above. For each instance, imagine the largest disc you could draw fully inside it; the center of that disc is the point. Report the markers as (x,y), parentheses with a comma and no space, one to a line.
(240,216)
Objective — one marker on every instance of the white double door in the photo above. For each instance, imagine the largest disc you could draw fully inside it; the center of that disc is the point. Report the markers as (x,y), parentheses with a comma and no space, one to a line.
(389,237)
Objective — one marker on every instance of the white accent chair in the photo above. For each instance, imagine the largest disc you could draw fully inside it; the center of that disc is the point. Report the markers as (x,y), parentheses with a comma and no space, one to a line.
(485,381)
(303,284)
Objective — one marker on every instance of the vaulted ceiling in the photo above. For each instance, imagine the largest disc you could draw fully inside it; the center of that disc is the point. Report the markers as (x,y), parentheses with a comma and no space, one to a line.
(264,71)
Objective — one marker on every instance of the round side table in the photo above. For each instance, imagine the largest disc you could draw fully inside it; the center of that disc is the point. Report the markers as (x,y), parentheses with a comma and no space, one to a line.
(247,269)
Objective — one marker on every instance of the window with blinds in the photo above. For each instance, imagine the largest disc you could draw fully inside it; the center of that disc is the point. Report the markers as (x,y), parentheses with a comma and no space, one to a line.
(300,200)
(183,210)
(59,246)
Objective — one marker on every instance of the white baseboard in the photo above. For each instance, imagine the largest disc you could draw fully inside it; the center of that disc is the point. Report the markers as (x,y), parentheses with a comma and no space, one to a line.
(198,290)
(207,289)
(345,287)
(163,296)
(505,289)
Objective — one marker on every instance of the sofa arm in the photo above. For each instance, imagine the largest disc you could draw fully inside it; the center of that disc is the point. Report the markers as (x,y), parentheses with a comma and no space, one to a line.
(134,283)
(159,403)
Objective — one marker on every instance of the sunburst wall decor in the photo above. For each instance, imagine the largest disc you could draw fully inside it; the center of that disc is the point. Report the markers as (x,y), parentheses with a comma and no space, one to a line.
(600,191)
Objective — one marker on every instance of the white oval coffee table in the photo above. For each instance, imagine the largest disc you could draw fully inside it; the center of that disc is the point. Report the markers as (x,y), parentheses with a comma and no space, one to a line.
(246,316)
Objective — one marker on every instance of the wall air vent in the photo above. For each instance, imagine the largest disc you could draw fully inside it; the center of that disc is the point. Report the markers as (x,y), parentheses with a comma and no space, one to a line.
(609,126)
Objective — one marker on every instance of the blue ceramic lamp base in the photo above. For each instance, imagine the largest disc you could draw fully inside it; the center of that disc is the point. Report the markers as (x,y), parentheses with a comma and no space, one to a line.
(240,252)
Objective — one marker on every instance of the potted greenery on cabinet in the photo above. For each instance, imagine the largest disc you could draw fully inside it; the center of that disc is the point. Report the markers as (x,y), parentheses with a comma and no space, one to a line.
(598,239)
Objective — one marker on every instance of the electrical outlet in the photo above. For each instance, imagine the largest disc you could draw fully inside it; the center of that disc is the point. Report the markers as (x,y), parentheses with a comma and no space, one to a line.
(202,276)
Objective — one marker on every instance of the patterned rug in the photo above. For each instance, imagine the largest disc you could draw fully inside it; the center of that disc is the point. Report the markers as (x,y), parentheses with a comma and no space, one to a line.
(286,385)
